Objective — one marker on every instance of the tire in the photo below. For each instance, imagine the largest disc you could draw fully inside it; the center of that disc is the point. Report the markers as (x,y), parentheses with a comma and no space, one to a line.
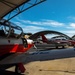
(56,47)
(17,69)
(63,47)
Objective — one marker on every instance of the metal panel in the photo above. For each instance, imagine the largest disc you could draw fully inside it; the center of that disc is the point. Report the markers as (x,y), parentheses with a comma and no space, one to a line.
(12,8)
(8,5)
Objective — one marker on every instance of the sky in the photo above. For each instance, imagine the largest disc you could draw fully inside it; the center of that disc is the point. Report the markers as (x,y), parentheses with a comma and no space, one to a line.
(56,15)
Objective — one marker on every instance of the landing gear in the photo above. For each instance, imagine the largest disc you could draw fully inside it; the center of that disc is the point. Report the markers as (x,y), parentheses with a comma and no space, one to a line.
(63,47)
(19,68)
(56,47)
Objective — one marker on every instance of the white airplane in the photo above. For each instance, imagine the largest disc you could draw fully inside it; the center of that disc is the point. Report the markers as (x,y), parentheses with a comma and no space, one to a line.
(12,44)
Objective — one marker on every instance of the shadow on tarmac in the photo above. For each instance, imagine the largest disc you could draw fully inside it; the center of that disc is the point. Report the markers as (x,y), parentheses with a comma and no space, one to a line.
(5,72)
(51,55)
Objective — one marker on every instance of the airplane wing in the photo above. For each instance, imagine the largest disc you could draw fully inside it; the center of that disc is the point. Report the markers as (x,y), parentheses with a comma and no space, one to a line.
(14,7)
(7,6)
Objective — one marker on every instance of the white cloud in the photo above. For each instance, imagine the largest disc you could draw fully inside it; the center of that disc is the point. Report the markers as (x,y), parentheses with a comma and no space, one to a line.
(33,29)
(53,23)
(44,23)
(36,26)
(70,33)
(71,26)
(18,23)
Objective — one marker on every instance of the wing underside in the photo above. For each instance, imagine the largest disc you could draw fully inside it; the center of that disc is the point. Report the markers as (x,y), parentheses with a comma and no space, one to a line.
(14,7)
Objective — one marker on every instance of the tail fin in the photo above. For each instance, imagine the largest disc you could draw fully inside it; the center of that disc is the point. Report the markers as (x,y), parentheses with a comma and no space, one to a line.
(44,39)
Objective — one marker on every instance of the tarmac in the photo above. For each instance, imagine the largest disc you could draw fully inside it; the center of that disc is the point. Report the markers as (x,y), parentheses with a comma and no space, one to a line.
(49,62)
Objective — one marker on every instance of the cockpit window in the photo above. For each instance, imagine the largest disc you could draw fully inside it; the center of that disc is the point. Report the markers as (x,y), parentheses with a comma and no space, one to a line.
(10,28)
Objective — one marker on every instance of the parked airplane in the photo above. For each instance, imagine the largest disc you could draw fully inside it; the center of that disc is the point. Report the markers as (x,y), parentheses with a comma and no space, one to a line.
(55,40)
(44,43)
(59,42)
(72,42)
(12,44)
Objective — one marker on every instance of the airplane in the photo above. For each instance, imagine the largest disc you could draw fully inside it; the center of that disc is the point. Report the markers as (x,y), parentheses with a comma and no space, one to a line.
(69,41)
(55,40)
(72,43)
(12,45)
(44,43)
(59,42)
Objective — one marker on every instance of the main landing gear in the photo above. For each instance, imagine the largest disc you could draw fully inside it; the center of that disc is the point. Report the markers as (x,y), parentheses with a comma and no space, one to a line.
(19,68)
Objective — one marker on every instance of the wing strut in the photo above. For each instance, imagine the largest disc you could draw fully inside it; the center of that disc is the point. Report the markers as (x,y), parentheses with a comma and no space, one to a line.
(23,8)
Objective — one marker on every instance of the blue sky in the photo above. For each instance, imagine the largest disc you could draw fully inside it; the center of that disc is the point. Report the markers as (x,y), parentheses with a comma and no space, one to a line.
(57,15)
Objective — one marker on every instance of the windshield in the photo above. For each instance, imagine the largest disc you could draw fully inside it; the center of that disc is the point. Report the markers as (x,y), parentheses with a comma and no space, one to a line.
(9,28)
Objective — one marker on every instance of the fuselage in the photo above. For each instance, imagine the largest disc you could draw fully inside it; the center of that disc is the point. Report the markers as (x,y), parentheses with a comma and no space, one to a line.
(13,45)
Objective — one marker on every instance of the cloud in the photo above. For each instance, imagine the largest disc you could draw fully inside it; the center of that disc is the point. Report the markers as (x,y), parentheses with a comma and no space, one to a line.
(44,23)
(36,26)
(70,33)
(71,26)
(20,24)
(33,29)
(53,23)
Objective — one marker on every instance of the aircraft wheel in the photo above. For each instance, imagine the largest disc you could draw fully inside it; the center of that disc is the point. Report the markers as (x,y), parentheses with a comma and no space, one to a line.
(17,70)
(63,47)
(56,47)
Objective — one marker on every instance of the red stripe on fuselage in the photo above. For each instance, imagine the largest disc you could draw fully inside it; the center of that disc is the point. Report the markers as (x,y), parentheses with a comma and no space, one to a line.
(4,49)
